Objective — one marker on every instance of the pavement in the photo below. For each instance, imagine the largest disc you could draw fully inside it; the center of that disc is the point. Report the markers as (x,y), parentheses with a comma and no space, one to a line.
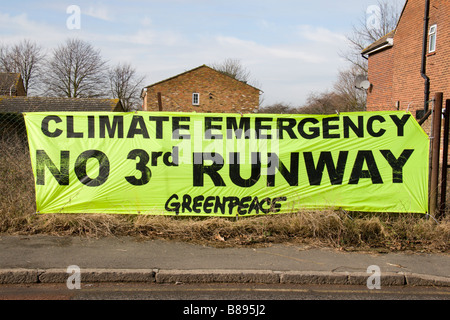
(46,259)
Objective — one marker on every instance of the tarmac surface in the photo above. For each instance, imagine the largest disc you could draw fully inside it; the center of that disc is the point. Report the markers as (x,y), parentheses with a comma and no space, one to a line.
(45,259)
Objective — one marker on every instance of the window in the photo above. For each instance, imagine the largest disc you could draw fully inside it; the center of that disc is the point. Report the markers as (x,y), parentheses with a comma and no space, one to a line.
(196,99)
(432,38)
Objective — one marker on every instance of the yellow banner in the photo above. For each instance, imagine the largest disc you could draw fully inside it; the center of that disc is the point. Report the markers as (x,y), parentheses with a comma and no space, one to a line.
(227,164)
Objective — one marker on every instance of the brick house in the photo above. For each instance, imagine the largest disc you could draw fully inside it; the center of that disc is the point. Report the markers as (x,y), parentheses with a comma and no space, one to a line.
(410,64)
(202,89)
(11,84)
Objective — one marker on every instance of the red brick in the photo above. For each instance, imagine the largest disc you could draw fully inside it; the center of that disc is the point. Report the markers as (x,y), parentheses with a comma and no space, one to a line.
(395,72)
(218,93)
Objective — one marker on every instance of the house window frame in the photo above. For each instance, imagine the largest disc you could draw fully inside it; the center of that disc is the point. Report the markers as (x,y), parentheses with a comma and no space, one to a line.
(195,99)
(432,36)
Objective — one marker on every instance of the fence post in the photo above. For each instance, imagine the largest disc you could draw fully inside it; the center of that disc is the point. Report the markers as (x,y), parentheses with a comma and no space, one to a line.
(446,114)
(436,145)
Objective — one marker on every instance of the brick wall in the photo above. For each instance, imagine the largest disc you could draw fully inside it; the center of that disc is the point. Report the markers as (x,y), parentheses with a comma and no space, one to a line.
(406,87)
(20,89)
(217,93)
(379,96)
(438,63)
(408,84)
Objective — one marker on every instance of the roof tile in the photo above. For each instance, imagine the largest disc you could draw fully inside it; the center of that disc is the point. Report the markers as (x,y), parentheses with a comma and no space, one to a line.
(41,104)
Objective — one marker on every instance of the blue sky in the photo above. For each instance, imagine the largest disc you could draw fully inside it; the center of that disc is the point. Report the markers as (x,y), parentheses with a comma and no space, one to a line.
(291,48)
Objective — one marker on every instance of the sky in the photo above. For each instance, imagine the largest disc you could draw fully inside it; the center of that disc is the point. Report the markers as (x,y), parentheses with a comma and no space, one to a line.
(291,48)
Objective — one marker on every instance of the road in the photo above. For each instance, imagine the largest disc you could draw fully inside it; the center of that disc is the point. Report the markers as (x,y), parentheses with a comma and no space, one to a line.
(151,291)
(224,301)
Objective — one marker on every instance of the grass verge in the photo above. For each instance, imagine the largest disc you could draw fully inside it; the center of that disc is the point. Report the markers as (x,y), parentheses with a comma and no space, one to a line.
(381,232)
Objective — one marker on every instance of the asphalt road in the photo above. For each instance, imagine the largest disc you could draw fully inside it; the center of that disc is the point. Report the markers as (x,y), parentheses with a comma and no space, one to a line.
(217,291)
(221,301)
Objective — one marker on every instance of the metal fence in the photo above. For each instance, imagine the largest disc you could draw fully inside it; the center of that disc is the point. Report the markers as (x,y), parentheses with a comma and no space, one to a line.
(12,127)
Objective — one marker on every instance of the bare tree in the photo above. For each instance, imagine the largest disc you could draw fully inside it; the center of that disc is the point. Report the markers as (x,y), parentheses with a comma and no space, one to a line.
(76,70)
(278,108)
(376,22)
(4,64)
(125,85)
(344,98)
(321,103)
(233,68)
(25,58)
(353,99)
